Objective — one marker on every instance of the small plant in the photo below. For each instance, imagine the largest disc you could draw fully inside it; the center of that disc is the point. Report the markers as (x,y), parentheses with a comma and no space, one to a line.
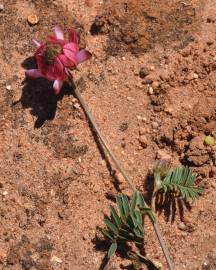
(126,225)
(56,58)
(180,181)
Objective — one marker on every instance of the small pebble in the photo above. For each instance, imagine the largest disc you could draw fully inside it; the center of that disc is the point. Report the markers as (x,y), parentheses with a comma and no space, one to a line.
(56,259)
(143,141)
(139,85)
(123,127)
(148,79)
(76,106)
(161,154)
(155,85)
(144,72)
(196,76)
(119,177)
(155,125)
(74,100)
(1,7)
(182,226)
(8,87)
(123,58)
(152,68)
(206,265)
(213,185)
(139,117)
(168,110)
(151,91)
(130,99)
(33,19)
(142,131)
(210,42)
(4,193)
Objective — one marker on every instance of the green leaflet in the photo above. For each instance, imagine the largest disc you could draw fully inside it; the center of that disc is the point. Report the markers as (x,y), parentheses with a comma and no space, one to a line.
(125,203)
(134,201)
(120,207)
(115,216)
(111,226)
(112,249)
(141,200)
(108,234)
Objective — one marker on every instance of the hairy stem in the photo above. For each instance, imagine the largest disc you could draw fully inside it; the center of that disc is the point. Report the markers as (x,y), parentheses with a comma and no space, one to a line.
(120,168)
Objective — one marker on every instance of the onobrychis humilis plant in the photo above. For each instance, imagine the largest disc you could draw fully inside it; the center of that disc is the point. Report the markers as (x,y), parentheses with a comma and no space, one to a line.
(55,59)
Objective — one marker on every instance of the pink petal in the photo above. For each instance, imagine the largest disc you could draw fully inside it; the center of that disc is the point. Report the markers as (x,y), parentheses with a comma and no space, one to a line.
(58,32)
(82,56)
(74,47)
(33,73)
(73,37)
(65,60)
(56,71)
(57,86)
(70,50)
(36,43)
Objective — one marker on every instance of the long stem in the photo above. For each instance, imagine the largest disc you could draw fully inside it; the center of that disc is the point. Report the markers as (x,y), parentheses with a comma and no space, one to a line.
(121,169)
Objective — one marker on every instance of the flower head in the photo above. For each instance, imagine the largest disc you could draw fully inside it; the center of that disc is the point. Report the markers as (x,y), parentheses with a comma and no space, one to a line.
(56,56)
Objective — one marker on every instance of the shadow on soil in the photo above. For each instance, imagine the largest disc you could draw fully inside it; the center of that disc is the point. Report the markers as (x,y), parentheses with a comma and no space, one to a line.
(38,95)
(124,251)
(168,204)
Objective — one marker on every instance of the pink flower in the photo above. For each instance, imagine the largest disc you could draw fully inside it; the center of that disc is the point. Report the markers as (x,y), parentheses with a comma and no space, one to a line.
(55,56)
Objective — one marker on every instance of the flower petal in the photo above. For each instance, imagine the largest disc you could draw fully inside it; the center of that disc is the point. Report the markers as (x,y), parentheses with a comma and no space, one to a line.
(65,60)
(36,43)
(73,37)
(72,46)
(70,55)
(82,56)
(56,71)
(33,73)
(58,32)
(70,50)
(57,85)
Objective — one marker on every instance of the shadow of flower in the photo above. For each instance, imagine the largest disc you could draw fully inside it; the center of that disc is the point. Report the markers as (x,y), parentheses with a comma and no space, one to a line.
(38,95)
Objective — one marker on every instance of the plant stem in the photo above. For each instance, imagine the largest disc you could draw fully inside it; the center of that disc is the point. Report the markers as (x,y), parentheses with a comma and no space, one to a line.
(120,168)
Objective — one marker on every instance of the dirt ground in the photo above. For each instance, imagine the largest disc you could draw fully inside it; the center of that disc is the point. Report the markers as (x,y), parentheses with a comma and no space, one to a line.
(151,85)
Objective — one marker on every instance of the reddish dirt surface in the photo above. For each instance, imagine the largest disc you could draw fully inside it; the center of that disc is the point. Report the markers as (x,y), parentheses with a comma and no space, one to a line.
(151,85)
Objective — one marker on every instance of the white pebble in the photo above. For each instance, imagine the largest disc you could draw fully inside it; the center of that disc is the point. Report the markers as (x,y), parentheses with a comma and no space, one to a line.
(196,76)
(56,259)
(151,91)
(8,87)
(76,106)
(155,125)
